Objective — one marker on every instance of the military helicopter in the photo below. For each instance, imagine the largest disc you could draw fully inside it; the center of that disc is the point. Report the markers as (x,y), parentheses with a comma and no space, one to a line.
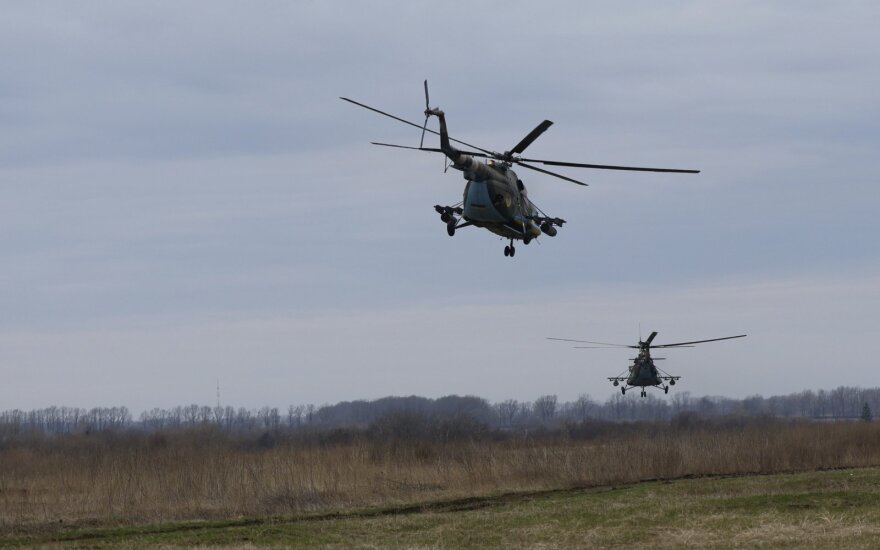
(495,198)
(643,373)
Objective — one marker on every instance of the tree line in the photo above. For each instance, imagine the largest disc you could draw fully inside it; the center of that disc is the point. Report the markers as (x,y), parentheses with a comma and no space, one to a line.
(843,402)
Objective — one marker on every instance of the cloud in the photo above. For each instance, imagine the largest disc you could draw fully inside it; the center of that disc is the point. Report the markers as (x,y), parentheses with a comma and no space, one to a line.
(491,345)
(193,163)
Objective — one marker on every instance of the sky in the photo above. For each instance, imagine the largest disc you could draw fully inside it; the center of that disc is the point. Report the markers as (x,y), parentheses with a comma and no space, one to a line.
(184,200)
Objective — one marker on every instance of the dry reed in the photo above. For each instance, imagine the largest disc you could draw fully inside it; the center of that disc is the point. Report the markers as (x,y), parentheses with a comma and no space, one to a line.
(138,479)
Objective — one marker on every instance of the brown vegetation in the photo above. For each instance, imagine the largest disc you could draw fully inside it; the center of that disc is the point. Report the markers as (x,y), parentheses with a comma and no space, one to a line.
(138,477)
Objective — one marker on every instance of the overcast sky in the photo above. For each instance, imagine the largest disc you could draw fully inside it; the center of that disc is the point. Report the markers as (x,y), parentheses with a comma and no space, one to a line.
(184,198)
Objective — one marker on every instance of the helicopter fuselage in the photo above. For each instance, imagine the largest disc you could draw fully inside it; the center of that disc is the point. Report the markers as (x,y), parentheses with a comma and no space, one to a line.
(643,373)
(496,199)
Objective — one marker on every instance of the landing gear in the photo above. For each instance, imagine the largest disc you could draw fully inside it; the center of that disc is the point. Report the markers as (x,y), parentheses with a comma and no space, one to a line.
(666,389)
(644,393)
(623,391)
(509,250)
(527,239)
(450,227)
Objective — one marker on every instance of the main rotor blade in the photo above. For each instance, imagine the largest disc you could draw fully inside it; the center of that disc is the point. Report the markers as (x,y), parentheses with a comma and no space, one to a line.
(591,342)
(651,338)
(419,126)
(548,172)
(428,149)
(533,135)
(610,167)
(684,344)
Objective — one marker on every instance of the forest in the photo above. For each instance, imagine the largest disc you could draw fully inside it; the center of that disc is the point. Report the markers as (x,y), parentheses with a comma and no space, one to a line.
(474,413)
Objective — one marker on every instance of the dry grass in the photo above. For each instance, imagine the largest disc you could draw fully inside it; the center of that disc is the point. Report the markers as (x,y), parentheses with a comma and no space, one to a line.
(86,480)
(831,509)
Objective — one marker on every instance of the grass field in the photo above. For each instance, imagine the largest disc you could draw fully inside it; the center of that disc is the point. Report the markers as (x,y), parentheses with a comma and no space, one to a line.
(734,482)
(830,509)
(136,479)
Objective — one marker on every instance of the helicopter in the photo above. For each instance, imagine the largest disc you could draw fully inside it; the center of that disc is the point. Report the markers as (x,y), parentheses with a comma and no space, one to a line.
(495,198)
(643,373)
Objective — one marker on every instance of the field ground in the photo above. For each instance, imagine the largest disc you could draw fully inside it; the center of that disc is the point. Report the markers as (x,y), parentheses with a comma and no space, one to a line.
(829,509)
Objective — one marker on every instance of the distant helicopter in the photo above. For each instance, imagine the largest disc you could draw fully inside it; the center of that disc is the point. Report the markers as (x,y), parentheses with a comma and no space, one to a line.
(495,198)
(643,373)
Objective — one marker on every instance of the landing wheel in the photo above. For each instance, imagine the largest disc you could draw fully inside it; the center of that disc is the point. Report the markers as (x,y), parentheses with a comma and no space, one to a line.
(512,251)
(644,393)
(527,239)
(666,389)
(450,227)
(623,391)
(507,251)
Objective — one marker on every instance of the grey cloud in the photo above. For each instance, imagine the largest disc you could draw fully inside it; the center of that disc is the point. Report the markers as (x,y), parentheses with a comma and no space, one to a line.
(192,162)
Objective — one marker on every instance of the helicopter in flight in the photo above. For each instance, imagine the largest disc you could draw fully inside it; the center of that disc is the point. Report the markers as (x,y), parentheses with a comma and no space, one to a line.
(495,198)
(643,373)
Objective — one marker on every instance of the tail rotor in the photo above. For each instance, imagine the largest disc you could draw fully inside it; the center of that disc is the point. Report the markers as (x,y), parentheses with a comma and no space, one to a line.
(427,115)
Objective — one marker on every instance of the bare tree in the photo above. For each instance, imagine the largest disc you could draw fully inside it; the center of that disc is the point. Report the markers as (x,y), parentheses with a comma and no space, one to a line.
(545,408)
(507,411)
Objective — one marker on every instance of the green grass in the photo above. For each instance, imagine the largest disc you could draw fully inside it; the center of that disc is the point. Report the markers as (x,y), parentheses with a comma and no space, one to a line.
(831,509)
